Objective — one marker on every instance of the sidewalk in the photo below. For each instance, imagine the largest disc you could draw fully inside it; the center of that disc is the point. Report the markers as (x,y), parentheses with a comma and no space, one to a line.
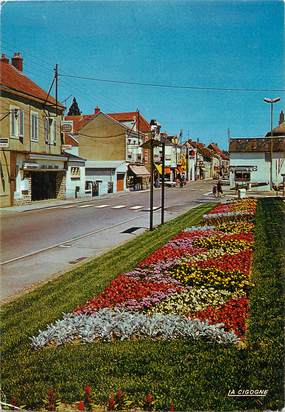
(254,193)
(50,203)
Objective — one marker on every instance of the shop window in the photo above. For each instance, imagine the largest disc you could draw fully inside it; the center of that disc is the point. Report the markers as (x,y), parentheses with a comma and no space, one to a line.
(242,176)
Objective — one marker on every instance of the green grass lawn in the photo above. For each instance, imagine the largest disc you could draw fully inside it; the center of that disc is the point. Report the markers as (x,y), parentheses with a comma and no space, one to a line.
(195,375)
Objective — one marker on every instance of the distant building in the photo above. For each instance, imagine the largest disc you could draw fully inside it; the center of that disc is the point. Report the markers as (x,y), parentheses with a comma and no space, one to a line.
(102,142)
(32,166)
(250,160)
(221,167)
(137,158)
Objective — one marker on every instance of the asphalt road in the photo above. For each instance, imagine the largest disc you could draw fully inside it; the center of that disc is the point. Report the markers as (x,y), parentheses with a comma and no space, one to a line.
(37,244)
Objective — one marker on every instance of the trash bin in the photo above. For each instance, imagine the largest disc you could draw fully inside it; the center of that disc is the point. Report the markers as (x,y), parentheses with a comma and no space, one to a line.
(241,193)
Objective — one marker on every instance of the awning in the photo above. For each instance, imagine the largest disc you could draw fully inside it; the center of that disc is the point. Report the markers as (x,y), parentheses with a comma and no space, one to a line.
(139,171)
(43,156)
(167,170)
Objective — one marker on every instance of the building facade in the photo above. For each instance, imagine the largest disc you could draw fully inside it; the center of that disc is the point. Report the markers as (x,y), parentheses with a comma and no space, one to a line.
(102,141)
(255,161)
(32,166)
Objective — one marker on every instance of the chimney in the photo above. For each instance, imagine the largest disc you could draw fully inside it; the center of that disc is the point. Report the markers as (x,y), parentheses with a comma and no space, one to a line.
(281,117)
(17,61)
(4,59)
(97,110)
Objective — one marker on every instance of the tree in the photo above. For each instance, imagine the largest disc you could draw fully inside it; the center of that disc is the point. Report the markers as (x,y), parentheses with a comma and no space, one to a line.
(74,109)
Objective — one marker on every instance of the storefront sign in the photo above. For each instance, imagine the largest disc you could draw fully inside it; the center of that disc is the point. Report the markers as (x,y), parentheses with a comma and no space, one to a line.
(31,166)
(67,126)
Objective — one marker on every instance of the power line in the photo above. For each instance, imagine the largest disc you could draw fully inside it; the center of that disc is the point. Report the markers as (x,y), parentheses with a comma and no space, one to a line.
(172,86)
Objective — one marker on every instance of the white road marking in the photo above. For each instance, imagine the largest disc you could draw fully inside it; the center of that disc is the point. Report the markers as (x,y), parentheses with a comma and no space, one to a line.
(67,207)
(86,206)
(206,194)
(118,206)
(101,206)
(136,207)
(154,208)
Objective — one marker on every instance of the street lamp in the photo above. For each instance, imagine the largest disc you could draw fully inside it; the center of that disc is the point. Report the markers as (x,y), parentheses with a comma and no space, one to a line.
(150,144)
(271,102)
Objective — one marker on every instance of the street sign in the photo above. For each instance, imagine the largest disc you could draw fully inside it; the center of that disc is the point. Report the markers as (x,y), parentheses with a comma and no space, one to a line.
(4,142)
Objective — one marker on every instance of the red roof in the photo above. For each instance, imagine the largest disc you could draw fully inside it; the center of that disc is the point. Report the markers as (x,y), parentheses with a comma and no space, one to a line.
(141,122)
(13,79)
(216,149)
(69,139)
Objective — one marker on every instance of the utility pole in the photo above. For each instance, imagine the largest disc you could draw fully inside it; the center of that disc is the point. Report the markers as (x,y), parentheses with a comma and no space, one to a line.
(271,102)
(56,86)
(162,182)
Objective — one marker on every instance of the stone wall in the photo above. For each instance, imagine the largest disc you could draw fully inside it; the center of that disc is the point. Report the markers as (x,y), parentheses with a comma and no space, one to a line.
(61,185)
(26,198)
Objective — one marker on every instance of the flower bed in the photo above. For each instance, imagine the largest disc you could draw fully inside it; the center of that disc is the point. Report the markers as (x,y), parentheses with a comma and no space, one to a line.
(195,286)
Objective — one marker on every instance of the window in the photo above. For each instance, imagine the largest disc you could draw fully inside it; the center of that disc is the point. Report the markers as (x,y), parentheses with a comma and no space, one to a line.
(46,130)
(16,122)
(21,123)
(241,176)
(34,126)
(50,130)
(53,131)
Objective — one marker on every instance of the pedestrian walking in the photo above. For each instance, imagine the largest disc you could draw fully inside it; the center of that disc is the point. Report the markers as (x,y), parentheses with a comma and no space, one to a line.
(219,189)
(215,190)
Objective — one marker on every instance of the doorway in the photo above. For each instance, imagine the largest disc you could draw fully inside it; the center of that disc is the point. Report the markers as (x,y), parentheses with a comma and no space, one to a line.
(43,185)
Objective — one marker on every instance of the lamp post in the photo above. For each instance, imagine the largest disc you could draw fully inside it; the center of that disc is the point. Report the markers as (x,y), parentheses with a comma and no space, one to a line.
(271,102)
(150,145)
(162,181)
(151,182)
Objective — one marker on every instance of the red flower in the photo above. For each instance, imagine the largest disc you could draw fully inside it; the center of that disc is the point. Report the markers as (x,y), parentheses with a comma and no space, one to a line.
(111,402)
(149,399)
(228,263)
(120,290)
(119,394)
(81,406)
(87,389)
(233,314)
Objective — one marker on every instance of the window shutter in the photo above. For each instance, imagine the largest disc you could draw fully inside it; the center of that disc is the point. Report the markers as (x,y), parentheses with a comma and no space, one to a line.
(21,123)
(46,129)
(54,131)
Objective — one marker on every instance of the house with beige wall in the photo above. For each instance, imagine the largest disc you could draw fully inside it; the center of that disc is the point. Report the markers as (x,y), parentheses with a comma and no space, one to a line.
(102,141)
(32,166)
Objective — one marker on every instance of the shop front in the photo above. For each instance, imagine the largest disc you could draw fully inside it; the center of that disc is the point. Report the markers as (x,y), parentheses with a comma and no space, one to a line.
(102,177)
(138,177)
(39,177)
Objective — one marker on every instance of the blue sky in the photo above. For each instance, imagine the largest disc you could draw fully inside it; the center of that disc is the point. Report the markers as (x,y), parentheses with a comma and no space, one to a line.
(222,44)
